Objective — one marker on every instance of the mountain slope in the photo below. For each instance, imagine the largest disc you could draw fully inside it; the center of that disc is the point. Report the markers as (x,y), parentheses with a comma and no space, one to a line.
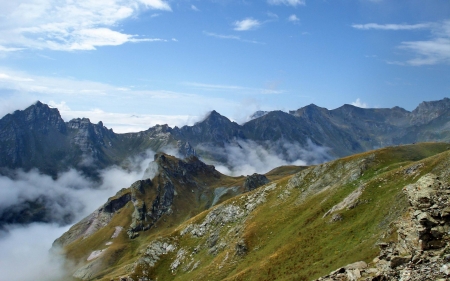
(299,227)
(180,190)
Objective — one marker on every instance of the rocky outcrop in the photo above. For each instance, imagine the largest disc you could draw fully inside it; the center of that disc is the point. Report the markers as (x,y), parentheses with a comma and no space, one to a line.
(255,181)
(185,149)
(422,250)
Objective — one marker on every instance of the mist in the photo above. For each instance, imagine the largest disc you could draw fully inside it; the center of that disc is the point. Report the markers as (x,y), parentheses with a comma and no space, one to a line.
(248,157)
(25,251)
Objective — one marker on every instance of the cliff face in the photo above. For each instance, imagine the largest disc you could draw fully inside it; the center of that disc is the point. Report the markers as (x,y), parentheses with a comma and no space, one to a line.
(26,137)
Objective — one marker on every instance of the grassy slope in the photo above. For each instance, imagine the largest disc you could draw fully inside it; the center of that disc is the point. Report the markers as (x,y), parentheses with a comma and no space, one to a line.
(187,204)
(287,237)
(289,240)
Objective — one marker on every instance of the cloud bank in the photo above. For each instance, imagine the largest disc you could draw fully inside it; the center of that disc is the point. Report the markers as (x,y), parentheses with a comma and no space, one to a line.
(25,251)
(248,157)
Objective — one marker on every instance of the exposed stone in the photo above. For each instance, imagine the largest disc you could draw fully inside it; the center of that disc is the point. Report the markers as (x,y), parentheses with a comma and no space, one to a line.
(241,248)
(254,181)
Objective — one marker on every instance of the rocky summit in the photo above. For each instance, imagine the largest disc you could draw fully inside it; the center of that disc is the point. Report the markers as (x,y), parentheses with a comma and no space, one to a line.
(37,137)
(379,215)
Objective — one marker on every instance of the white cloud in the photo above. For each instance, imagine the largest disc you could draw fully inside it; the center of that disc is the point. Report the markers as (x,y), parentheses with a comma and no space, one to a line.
(25,251)
(246,24)
(287,2)
(4,76)
(293,18)
(5,49)
(359,103)
(19,89)
(194,8)
(368,26)
(67,25)
(232,37)
(156,4)
(435,50)
(123,122)
(248,157)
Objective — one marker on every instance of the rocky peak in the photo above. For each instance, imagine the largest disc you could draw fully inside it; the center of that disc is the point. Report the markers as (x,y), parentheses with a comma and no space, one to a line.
(429,110)
(215,119)
(39,117)
(186,169)
(308,111)
(258,114)
(215,129)
(89,135)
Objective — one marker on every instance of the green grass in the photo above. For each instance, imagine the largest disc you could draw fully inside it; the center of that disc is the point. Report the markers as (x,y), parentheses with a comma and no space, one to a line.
(290,239)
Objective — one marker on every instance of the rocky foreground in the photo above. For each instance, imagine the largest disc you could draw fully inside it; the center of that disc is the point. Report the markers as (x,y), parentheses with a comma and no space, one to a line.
(422,250)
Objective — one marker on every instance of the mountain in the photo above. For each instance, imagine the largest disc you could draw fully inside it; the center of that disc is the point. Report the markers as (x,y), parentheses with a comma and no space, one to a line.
(381,215)
(180,190)
(38,138)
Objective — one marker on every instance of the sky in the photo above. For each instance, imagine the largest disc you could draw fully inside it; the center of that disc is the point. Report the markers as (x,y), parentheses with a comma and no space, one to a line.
(136,63)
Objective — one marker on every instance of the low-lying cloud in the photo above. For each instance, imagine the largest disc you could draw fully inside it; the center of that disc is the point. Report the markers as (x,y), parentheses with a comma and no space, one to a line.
(25,251)
(248,157)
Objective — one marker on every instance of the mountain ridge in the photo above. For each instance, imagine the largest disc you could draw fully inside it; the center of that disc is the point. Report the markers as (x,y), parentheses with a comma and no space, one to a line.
(296,227)
(38,138)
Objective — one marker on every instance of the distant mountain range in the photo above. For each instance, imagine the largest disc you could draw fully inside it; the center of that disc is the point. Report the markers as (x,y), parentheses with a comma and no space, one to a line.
(38,137)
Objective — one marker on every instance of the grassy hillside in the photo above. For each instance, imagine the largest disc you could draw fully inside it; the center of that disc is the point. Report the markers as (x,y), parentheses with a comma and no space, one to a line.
(298,227)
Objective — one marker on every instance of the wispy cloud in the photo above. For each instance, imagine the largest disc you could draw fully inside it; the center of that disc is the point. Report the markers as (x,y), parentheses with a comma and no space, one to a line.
(230,37)
(194,8)
(246,24)
(429,52)
(435,50)
(218,87)
(293,3)
(368,26)
(293,18)
(5,49)
(20,89)
(359,103)
(272,15)
(70,25)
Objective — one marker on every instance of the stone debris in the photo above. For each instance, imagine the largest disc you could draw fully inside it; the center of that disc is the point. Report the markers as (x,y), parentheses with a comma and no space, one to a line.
(155,250)
(422,251)
(117,232)
(348,203)
(95,254)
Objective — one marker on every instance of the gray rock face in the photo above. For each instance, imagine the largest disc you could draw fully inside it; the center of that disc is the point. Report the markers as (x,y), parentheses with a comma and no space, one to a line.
(255,181)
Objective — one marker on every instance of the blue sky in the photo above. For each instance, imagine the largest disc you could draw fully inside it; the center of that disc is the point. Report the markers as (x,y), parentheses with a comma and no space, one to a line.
(136,63)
